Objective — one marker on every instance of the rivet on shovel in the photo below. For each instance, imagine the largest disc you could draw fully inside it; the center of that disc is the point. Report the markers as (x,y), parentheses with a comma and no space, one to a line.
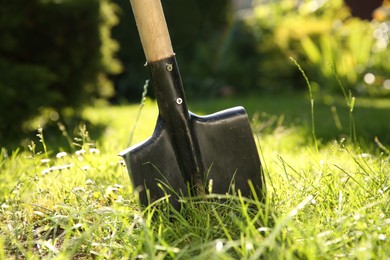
(169,67)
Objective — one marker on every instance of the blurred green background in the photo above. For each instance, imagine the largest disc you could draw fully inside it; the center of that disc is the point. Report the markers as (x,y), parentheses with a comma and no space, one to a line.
(57,56)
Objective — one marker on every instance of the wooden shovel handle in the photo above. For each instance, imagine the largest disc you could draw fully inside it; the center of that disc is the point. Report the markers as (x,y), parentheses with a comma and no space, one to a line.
(152,29)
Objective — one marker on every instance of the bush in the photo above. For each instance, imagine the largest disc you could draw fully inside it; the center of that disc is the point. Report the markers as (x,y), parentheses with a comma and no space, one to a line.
(329,44)
(352,51)
(53,54)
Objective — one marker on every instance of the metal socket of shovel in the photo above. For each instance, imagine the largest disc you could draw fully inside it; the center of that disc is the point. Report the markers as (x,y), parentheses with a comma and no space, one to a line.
(187,154)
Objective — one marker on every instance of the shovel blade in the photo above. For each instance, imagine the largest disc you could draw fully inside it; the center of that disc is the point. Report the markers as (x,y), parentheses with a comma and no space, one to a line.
(228,155)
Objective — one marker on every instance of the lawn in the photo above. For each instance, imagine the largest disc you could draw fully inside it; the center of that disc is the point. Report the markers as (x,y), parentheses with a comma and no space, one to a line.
(326,199)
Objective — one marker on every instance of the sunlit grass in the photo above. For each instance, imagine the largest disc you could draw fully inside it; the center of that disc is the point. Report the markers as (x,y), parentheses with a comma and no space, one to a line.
(330,203)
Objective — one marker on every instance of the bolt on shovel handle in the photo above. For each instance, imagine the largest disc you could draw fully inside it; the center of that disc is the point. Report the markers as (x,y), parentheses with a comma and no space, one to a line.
(152,28)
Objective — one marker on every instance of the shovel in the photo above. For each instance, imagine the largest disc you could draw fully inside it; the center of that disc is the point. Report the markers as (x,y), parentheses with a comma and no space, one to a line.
(187,154)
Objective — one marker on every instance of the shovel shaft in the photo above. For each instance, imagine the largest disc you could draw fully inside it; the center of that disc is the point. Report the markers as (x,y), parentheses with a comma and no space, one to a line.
(152,29)
(173,111)
(168,87)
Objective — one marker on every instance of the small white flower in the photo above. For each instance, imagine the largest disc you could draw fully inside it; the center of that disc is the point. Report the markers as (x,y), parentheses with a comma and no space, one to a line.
(45,171)
(45,160)
(111,189)
(80,152)
(61,154)
(118,186)
(48,170)
(263,229)
(249,246)
(365,155)
(66,166)
(219,246)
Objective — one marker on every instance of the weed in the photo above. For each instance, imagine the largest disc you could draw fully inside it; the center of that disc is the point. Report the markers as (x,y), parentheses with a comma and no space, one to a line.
(142,104)
(350,101)
(313,129)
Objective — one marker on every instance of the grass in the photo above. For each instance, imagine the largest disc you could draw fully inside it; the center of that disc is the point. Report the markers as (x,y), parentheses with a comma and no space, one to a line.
(327,203)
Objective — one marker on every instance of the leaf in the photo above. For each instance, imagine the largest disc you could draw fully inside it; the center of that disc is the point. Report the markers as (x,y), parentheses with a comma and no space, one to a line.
(311,50)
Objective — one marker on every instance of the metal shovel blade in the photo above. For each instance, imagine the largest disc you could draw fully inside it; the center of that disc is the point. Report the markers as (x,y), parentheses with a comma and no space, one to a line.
(190,154)
(228,155)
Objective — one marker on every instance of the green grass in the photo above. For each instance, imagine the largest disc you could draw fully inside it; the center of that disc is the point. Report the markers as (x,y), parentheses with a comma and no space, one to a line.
(331,203)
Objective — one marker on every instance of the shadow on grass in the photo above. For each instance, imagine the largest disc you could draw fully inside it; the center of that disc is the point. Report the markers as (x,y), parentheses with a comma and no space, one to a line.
(67,134)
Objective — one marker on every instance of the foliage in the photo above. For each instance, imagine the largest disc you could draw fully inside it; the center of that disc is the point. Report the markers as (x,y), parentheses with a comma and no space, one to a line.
(330,45)
(54,54)
(350,52)
(330,203)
